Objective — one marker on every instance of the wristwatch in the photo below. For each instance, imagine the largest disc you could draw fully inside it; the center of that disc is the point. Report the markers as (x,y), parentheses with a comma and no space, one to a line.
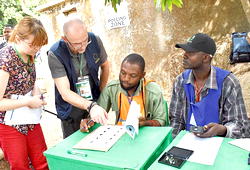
(92,104)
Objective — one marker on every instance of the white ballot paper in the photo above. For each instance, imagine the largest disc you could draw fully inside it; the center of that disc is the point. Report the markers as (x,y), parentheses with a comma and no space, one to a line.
(243,143)
(192,120)
(132,122)
(205,149)
(22,115)
(101,139)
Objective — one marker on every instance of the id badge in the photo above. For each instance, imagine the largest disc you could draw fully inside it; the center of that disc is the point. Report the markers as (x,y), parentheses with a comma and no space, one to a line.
(83,87)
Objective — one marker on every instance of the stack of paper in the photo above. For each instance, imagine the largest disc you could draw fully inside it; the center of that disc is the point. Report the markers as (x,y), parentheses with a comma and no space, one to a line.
(205,149)
(242,143)
(22,115)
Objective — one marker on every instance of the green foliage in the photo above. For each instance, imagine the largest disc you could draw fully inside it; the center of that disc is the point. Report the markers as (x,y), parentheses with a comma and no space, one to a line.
(159,3)
(10,12)
(114,3)
(29,6)
(168,4)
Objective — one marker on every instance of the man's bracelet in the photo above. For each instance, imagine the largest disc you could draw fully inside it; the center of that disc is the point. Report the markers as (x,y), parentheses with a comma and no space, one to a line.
(92,104)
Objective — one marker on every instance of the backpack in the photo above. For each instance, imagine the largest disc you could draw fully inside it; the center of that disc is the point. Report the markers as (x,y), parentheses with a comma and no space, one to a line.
(240,48)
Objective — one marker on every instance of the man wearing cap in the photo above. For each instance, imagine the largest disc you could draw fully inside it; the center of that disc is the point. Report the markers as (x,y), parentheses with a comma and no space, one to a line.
(207,96)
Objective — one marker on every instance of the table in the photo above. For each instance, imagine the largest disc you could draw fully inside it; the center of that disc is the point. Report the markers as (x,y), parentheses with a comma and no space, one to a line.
(126,153)
(229,157)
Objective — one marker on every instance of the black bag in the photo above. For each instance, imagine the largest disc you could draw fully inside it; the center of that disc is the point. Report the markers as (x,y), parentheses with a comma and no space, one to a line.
(240,48)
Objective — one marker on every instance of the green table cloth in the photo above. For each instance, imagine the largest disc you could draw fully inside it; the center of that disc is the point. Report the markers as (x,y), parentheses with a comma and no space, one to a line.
(126,153)
(229,157)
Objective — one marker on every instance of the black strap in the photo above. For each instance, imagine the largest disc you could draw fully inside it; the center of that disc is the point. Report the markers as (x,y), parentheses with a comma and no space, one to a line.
(50,112)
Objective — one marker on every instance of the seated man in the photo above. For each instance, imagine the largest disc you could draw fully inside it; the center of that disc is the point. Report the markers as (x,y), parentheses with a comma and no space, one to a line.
(132,86)
(205,95)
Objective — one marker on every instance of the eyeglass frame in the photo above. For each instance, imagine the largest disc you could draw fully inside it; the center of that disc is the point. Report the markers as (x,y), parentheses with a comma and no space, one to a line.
(30,44)
(78,44)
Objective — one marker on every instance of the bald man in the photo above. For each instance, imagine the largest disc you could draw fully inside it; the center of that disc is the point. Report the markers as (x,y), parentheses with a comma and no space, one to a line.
(74,62)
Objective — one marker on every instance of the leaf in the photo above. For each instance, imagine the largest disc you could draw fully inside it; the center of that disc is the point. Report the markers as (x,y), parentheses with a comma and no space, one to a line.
(114,5)
(163,5)
(169,4)
(181,2)
(177,3)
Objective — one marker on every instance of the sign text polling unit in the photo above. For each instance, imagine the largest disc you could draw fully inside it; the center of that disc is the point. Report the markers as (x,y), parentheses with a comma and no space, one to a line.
(119,18)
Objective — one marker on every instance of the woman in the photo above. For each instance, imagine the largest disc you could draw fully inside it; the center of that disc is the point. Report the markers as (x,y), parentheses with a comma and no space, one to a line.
(22,144)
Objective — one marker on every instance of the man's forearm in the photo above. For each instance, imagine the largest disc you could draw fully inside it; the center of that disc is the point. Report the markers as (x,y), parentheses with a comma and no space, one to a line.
(150,123)
(76,100)
(70,96)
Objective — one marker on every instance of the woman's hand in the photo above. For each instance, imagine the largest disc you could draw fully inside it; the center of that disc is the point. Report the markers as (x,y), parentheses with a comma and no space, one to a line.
(35,102)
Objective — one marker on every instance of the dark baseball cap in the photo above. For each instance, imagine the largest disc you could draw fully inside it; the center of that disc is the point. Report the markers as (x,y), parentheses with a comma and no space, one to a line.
(199,42)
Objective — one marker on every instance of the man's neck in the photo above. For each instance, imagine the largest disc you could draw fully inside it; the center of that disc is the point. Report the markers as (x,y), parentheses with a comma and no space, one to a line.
(132,91)
(202,74)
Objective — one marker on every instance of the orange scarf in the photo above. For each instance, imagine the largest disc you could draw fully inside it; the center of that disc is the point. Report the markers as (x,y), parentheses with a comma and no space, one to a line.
(124,104)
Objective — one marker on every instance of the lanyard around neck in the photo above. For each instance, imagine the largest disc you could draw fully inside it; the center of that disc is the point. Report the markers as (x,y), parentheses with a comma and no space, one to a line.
(81,65)
(120,103)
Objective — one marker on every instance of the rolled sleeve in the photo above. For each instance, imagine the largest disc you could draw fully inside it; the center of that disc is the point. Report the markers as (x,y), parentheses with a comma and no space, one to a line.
(56,67)
(5,60)
(103,53)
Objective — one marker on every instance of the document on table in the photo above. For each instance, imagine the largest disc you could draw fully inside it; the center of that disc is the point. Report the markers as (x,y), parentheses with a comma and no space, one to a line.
(205,149)
(242,143)
(22,115)
(101,139)
(132,121)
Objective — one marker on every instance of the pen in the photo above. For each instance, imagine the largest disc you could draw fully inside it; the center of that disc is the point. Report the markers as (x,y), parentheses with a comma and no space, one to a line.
(76,153)
(88,123)
(42,97)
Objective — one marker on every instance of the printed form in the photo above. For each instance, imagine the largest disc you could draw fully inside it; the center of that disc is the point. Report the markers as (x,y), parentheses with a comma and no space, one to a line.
(205,149)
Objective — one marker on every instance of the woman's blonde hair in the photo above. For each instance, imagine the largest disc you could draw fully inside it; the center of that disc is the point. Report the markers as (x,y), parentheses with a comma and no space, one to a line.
(30,26)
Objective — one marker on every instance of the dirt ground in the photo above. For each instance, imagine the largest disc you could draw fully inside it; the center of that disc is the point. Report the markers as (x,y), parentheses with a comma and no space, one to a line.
(4,165)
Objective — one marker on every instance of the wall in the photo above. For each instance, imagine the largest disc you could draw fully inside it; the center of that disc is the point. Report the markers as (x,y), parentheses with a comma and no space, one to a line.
(154,33)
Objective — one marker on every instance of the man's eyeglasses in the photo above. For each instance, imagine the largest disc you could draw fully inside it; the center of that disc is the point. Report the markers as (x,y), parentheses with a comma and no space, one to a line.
(79,45)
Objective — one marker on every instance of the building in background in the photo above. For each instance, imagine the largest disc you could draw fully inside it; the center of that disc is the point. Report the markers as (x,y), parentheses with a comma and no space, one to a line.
(140,27)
